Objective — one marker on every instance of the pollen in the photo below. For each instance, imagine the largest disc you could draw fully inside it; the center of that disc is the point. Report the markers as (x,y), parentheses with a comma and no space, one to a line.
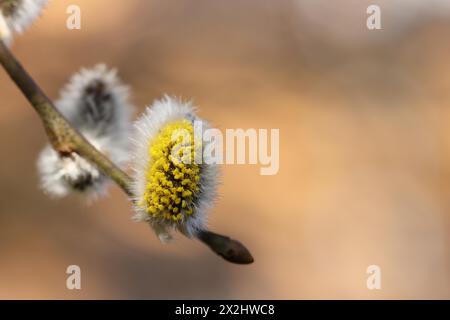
(172,178)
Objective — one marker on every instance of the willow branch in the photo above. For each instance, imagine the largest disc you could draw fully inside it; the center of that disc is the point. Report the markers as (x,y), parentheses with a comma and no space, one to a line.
(65,140)
(63,137)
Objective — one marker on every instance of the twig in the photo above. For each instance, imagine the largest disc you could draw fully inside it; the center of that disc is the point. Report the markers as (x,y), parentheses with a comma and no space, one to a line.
(65,139)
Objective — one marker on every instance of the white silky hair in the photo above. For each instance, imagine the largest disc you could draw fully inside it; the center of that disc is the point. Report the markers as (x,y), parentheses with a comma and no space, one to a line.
(5,31)
(96,103)
(147,127)
(20,18)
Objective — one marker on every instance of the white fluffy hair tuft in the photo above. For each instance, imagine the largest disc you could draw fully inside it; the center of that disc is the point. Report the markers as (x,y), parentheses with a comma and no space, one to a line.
(17,15)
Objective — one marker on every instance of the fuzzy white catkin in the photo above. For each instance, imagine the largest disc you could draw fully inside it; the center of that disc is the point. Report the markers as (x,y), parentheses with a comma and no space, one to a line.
(17,15)
(96,103)
(158,115)
(5,31)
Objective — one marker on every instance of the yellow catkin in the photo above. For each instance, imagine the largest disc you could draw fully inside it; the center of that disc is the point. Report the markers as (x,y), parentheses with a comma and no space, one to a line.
(172,184)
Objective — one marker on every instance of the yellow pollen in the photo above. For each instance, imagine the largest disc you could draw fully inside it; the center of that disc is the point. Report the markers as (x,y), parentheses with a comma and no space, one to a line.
(172,181)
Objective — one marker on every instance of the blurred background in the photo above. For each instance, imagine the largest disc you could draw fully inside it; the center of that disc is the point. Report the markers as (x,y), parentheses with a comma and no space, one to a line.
(364,173)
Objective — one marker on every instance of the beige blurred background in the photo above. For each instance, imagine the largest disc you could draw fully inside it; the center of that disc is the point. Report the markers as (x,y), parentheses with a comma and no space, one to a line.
(364,162)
